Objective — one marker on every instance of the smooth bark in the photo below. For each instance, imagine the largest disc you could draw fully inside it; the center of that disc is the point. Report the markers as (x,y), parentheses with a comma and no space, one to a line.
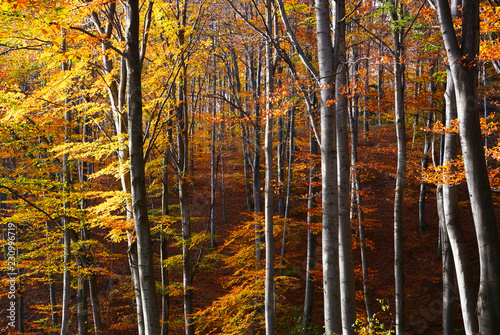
(269,302)
(312,194)
(454,229)
(346,262)
(330,247)
(137,174)
(462,58)
(401,168)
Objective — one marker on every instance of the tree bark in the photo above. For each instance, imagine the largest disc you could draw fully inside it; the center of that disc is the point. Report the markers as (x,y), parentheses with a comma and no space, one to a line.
(448,269)
(311,236)
(464,70)
(330,247)
(452,220)
(165,297)
(269,303)
(346,262)
(401,167)
(137,175)
(65,318)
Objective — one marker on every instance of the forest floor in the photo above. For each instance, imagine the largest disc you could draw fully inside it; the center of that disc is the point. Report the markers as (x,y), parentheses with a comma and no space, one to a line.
(377,157)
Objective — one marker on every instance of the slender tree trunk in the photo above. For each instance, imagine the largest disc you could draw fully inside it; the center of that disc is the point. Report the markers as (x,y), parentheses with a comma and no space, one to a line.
(291,145)
(137,175)
(453,225)
(53,302)
(165,297)
(423,226)
(448,269)
(182,144)
(212,158)
(346,262)
(380,90)
(270,313)
(96,309)
(311,236)
(401,169)
(356,189)
(291,126)
(366,114)
(256,175)
(82,305)
(183,179)
(244,129)
(65,318)
(280,150)
(330,247)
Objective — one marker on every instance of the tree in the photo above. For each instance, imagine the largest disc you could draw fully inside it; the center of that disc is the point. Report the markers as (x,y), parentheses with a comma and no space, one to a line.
(346,263)
(328,147)
(462,59)
(269,303)
(137,174)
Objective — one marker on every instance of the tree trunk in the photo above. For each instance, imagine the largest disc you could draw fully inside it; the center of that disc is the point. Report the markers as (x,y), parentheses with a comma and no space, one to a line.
(311,236)
(401,169)
(256,176)
(330,247)
(65,318)
(165,297)
(94,300)
(356,190)
(212,158)
(183,178)
(423,226)
(82,305)
(137,175)
(346,263)
(448,269)
(269,303)
(380,90)
(53,302)
(464,69)
(452,220)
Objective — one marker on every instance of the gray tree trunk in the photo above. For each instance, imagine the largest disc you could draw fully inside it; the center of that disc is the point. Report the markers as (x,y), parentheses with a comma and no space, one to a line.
(330,246)
(423,226)
(165,297)
(137,175)
(66,313)
(346,263)
(448,269)
(212,158)
(452,220)
(464,69)
(269,303)
(53,302)
(311,236)
(256,175)
(94,301)
(356,189)
(401,168)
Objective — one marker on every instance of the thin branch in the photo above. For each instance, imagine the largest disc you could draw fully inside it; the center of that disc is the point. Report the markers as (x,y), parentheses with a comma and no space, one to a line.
(108,43)
(16,194)
(372,34)
(147,24)
(295,43)
(414,19)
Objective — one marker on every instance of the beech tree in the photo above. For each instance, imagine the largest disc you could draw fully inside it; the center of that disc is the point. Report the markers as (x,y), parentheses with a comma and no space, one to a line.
(328,148)
(462,59)
(137,174)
